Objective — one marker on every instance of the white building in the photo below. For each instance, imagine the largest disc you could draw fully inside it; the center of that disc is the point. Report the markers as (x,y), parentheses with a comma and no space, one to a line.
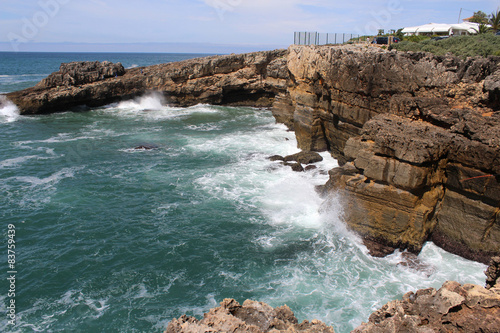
(465,28)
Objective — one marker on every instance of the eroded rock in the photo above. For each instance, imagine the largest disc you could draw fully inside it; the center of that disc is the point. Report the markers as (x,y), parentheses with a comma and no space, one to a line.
(252,317)
(493,273)
(452,308)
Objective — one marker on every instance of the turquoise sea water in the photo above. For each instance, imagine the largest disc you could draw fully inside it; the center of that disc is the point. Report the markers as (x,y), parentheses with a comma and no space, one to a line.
(115,239)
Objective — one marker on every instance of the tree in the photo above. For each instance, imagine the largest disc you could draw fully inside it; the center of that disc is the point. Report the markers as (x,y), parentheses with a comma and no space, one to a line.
(400,34)
(479,17)
(381,32)
(495,21)
(482,29)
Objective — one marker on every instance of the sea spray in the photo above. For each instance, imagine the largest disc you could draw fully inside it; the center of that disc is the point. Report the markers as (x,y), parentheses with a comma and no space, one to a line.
(8,110)
(149,102)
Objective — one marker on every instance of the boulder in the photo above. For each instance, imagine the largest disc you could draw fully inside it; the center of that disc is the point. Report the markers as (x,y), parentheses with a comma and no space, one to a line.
(304,157)
(276,158)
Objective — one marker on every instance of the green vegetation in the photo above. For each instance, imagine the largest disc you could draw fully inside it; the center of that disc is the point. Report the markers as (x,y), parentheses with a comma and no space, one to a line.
(479,17)
(495,21)
(462,46)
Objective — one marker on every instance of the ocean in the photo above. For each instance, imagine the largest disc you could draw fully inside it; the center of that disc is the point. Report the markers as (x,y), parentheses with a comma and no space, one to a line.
(110,238)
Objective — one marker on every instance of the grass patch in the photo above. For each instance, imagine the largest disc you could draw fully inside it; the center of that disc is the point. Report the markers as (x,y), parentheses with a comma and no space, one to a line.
(462,46)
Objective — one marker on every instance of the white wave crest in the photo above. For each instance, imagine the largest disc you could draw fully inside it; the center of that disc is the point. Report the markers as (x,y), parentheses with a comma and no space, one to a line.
(152,101)
(8,111)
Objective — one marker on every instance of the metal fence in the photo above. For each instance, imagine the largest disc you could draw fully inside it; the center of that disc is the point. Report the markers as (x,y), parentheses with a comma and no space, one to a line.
(317,38)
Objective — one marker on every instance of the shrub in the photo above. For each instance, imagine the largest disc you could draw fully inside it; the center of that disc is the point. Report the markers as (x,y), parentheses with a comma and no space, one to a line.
(462,46)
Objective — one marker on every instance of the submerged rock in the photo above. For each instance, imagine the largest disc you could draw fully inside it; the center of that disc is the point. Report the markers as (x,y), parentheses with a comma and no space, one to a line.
(276,158)
(297,167)
(147,147)
(252,317)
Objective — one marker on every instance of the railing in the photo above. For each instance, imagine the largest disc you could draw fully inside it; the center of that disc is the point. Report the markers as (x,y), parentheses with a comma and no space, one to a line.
(317,38)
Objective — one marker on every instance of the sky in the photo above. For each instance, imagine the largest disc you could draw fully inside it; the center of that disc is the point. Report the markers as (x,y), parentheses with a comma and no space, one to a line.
(207,25)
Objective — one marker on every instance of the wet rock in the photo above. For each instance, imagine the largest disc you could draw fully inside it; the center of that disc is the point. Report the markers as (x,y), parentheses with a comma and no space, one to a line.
(147,147)
(310,168)
(411,261)
(276,158)
(297,167)
(377,248)
(252,317)
(304,157)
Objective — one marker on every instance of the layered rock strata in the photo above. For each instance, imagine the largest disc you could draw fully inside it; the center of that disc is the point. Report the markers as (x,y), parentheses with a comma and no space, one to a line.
(252,316)
(417,135)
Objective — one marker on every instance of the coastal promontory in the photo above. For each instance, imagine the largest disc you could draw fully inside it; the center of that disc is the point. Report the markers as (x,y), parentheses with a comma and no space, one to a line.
(417,135)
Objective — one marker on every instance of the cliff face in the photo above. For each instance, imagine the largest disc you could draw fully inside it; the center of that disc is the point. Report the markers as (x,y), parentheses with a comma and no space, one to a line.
(417,135)
(250,79)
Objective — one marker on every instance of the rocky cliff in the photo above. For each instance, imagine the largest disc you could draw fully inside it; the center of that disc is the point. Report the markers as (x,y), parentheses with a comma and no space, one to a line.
(417,135)
(250,79)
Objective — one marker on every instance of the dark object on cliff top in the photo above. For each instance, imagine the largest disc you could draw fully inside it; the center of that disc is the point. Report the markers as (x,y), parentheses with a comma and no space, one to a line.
(384,40)
(304,157)
(493,274)
(81,72)
(250,317)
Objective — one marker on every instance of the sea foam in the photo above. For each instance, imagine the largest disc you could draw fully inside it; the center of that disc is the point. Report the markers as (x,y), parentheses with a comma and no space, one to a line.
(8,111)
(152,101)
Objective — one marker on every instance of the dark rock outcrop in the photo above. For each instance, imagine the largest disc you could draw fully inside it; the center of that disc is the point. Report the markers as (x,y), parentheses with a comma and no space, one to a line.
(452,308)
(304,157)
(81,72)
(250,317)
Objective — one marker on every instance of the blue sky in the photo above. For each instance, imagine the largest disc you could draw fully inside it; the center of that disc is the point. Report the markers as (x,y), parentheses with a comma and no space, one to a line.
(252,23)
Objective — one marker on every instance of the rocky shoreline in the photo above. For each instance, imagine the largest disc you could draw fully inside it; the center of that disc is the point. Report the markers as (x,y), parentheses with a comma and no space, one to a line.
(417,135)
(452,308)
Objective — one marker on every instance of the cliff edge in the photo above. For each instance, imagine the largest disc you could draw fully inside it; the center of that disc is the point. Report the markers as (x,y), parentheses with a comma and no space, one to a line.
(418,136)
